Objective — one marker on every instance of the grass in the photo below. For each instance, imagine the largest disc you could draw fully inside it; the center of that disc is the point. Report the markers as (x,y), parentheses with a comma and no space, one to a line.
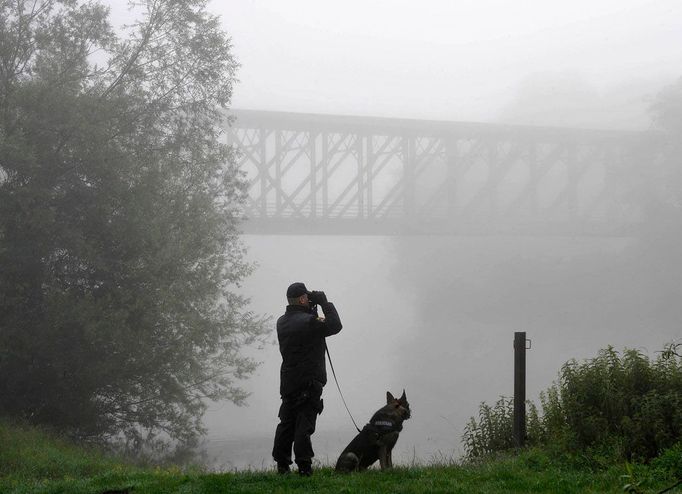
(32,461)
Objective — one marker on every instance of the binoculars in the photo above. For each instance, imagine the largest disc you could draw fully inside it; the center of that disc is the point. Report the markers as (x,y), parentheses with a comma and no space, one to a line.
(317,297)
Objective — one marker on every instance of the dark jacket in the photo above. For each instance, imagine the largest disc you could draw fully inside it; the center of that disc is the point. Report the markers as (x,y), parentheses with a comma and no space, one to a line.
(301,337)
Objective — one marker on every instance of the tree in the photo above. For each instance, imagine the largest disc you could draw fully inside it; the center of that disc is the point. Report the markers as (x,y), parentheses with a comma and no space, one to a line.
(664,183)
(119,206)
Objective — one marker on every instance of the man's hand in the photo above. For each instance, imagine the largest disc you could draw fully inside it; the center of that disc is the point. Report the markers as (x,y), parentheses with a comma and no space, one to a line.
(317,297)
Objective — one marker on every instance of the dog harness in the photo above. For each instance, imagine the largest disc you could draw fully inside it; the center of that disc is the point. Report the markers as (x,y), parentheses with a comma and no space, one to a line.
(382,427)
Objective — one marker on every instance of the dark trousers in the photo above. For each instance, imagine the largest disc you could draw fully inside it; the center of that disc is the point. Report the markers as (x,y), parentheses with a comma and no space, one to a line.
(297,417)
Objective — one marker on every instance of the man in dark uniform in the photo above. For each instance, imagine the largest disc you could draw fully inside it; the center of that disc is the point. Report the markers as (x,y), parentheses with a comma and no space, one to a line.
(301,334)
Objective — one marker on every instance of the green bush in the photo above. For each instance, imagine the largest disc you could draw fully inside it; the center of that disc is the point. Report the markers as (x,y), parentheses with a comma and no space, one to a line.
(492,432)
(670,461)
(615,406)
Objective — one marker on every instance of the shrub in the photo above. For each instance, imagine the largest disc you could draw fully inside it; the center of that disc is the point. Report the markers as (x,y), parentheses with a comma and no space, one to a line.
(670,461)
(492,432)
(615,406)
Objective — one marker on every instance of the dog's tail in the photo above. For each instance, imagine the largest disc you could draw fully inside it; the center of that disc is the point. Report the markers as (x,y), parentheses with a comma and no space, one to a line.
(348,462)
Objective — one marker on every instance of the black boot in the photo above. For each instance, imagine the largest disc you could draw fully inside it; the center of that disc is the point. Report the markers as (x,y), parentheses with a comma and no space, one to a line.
(283,468)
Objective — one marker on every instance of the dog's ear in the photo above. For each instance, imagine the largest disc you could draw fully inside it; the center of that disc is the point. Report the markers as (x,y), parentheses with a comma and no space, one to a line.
(389,397)
(403,398)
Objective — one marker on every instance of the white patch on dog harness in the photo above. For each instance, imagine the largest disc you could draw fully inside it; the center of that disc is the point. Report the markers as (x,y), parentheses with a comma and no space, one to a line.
(383,423)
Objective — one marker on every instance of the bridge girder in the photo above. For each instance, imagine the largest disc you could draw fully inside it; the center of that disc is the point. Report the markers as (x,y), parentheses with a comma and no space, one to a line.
(354,175)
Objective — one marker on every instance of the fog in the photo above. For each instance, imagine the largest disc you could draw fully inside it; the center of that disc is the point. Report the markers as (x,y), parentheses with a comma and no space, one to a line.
(435,315)
(462,60)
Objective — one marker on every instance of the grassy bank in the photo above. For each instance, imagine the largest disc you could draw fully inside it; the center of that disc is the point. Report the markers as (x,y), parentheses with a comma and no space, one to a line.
(34,462)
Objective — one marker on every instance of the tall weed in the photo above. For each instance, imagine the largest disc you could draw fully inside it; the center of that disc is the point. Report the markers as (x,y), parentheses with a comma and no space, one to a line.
(614,406)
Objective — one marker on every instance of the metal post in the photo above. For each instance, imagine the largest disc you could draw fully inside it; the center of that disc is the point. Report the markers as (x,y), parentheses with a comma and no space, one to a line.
(312,149)
(519,426)
(452,162)
(409,179)
(264,172)
(359,150)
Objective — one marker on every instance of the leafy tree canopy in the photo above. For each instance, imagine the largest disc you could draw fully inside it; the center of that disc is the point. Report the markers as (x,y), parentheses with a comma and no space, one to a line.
(119,253)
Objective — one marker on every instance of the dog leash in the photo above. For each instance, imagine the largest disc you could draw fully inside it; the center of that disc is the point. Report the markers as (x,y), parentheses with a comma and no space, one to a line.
(339,387)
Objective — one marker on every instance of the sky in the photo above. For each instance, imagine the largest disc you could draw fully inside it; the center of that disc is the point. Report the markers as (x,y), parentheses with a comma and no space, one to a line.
(443,59)
(460,60)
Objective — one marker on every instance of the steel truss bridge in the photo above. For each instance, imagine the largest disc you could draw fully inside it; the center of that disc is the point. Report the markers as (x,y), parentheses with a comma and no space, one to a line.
(354,175)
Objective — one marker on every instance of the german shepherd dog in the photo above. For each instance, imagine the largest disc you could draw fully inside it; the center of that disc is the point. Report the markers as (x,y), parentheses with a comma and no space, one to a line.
(376,440)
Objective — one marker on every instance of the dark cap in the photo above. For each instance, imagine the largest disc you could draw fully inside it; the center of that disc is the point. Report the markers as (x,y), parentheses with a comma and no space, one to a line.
(296,290)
